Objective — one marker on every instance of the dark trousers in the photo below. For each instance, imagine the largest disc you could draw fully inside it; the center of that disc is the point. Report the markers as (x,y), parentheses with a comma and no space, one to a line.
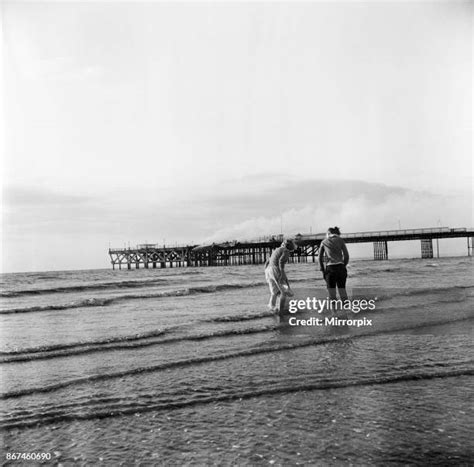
(336,275)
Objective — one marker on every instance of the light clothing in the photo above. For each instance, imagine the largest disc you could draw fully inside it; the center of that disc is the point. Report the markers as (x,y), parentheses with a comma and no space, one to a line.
(276,264)
(275,270)
(275,287)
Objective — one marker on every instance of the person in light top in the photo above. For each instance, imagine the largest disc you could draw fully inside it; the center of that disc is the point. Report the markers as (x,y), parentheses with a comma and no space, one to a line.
(276,276)
(334,272)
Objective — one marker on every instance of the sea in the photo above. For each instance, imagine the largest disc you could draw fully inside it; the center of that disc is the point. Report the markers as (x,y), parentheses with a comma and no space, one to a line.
(187,366)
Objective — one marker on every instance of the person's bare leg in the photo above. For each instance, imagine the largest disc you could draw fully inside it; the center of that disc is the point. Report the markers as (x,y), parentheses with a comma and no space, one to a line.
(274,292)
(343,294)
(282,304)
(272,304)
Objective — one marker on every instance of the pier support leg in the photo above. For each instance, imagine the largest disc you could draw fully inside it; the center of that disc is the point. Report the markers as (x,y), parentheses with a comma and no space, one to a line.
(380,250)
(426,248)
(129,265)
(470,245)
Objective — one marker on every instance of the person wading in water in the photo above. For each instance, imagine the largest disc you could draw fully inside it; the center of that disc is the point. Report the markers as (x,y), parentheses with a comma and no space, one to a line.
(335,272)
(276,276)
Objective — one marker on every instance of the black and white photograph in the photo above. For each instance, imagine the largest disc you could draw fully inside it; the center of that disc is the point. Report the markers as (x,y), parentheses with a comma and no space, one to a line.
(236,233)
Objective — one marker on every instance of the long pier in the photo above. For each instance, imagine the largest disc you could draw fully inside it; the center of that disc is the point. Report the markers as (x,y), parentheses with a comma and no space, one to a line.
(259,250)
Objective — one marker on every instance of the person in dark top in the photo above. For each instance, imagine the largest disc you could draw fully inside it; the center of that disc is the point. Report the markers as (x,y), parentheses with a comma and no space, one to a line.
(335,272)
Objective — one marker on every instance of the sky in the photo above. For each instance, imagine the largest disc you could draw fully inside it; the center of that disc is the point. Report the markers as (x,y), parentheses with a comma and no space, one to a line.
(194,122)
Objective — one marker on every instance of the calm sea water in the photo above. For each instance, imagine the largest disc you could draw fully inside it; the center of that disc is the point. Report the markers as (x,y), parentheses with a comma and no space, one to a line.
(187,366)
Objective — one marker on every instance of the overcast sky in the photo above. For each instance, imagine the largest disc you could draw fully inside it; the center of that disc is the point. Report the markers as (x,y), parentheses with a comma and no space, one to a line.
(189,122)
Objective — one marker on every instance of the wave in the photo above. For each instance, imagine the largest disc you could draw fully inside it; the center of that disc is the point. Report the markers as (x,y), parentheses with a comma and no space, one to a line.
(389,293)
(150,338)
(76,345)
(212,358)
(437,289)
(100,302)
(83,288)
(371,272)
(120,343)
(113,407)
(236,318)
(102,286)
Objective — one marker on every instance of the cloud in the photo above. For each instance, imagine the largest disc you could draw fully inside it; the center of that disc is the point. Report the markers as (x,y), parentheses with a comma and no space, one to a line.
(252,198)
(31,211)
(352,205)
(236,209)
(17,196)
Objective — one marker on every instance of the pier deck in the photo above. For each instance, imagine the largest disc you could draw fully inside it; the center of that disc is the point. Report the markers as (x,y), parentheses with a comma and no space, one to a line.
(257,251)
